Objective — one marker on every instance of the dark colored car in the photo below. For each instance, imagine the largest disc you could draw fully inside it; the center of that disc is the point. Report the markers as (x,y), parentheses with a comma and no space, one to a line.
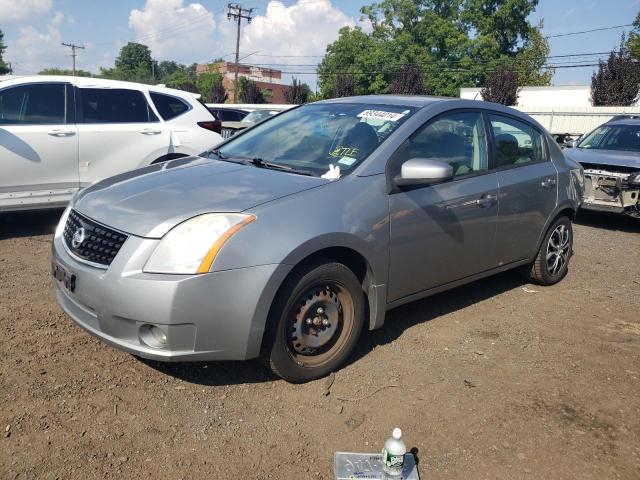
(610,156)
(228,114)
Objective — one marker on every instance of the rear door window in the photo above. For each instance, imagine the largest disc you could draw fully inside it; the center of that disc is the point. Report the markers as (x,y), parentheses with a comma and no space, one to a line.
(517,143)
(38,104)
(115,105)
(169,106)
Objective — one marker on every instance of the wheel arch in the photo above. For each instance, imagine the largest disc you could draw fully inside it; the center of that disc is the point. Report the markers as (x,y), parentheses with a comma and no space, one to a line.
(348,253)
(566,209)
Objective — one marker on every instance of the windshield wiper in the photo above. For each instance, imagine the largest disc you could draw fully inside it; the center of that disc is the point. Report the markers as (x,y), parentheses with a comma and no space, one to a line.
(259,162)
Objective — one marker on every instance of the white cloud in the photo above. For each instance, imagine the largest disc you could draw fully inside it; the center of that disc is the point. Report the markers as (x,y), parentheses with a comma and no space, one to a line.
(174,31)
(21,9)
(35,50)
(305,28)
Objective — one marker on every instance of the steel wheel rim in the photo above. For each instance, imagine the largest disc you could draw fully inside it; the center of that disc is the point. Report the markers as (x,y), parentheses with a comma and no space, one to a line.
(558,250)
(320,323)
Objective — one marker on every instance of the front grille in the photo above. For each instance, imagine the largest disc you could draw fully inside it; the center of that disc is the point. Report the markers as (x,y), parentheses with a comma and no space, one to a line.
(93,242)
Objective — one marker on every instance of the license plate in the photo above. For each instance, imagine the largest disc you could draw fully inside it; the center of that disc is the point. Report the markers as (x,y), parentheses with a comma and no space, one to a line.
(65,277)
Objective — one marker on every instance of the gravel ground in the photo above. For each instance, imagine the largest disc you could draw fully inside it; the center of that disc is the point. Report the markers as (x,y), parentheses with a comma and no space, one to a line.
(497,379)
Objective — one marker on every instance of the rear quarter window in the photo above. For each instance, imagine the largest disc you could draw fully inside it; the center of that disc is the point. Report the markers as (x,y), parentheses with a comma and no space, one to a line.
(168,106)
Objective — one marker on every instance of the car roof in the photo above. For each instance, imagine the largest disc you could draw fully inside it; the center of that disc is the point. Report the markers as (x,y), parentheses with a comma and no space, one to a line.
(401,100)
(632,120)
(96,82)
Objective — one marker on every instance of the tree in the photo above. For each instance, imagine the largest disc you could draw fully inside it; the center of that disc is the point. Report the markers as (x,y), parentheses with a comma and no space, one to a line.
(64,71)
(4,67)
(210,85)
(455,43)
(501,87)
(617,81)
(344,86)
(250,92)
(530,62)
(134,64)
(408,81)
(298,93)
(633,42)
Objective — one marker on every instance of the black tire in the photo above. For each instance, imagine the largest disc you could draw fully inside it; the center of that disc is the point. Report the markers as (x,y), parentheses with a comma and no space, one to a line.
(299,351)
(556,246)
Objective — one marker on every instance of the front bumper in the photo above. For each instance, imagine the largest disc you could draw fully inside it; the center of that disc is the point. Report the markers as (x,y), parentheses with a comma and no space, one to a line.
(214,316)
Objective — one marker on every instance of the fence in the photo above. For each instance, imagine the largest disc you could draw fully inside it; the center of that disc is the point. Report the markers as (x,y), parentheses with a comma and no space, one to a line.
(574,120)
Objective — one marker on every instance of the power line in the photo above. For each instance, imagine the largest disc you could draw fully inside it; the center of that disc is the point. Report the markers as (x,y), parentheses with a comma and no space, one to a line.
(590,31)
(73,48)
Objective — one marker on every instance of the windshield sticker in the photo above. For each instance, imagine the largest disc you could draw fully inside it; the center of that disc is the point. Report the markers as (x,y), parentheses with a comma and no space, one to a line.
(381,115)
(333,173)
(348,161)
(344,152)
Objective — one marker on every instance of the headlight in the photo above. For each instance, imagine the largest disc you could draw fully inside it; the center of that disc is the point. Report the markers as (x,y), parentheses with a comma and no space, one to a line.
(192,246)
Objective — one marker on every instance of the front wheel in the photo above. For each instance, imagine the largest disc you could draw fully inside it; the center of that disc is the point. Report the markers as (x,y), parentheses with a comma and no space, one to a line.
(314,323)
(552,262)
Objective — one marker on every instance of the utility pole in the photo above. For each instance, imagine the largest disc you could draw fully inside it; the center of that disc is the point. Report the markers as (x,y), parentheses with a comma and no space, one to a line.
(237,13)
(73,53)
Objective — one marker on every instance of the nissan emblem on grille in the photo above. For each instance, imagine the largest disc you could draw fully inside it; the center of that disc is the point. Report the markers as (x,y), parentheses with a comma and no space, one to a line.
(78,237)
(91,241)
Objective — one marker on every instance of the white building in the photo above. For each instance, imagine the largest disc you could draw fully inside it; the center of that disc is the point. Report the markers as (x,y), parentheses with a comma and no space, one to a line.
(564,109)
(565,95)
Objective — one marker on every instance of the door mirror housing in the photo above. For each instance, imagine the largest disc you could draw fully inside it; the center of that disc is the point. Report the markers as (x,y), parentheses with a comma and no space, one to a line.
(423,171)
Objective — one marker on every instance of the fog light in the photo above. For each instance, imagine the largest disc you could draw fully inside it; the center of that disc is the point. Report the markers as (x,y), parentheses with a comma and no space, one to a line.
(153,336)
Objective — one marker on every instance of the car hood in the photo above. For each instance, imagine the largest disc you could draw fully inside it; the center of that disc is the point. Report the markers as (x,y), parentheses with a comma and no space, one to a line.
(616,158)
(149,201)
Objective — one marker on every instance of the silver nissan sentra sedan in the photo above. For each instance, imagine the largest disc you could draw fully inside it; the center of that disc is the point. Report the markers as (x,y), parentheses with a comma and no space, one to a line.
(294,235)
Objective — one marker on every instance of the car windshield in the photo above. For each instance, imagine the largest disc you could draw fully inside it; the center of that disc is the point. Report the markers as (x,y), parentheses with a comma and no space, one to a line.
(314,137)
(613,137)
(258,115)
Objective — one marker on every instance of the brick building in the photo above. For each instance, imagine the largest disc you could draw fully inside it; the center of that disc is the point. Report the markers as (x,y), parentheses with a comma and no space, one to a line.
(267,79)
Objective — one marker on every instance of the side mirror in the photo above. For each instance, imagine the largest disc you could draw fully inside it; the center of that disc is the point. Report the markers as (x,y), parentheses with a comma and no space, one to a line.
(423,171)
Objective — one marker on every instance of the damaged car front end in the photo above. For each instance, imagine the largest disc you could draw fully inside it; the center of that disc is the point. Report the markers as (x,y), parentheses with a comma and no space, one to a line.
(610,156)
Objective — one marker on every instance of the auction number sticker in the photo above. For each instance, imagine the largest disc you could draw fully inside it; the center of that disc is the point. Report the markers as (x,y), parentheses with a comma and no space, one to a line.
(381,115)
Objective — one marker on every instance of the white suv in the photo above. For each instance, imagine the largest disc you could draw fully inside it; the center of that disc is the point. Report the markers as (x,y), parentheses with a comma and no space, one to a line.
(59,134)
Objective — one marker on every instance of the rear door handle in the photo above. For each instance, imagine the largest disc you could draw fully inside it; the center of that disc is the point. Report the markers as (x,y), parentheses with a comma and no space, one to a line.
(149,131)
(548,183)
(58,132)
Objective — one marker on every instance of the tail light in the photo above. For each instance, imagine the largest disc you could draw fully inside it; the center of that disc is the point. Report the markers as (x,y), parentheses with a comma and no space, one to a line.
(213,125)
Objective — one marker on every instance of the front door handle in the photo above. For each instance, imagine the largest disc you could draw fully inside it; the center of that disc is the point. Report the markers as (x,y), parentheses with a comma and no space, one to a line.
(548,183)
(149,131)
(58,132)
(486,201)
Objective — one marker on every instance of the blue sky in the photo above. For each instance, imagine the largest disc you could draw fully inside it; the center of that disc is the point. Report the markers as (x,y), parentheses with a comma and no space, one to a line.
(288,34)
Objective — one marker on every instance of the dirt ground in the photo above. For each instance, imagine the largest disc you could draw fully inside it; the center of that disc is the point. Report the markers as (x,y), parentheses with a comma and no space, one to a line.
(497,379)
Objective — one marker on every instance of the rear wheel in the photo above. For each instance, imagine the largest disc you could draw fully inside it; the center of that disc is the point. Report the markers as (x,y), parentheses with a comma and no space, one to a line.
(315,322)
(552,262)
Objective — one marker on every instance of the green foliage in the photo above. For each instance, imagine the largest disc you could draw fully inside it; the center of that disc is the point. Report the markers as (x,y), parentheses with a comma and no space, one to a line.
(210,85)
(633,42)
(65,71)
(133,64)
(4,67)
(456,43)
(250,92)
(501,87)
(298,93)
(617,81)
(408,81)
(530,61)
